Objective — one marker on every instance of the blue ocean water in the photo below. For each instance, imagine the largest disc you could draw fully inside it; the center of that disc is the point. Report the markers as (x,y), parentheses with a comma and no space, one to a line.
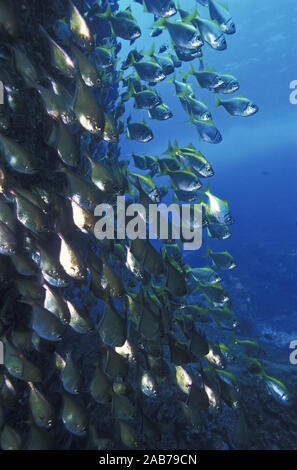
(255,165)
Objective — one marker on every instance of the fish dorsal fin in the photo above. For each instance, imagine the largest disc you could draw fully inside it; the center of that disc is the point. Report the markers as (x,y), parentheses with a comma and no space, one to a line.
(192,16)
(151,51)
(210,69)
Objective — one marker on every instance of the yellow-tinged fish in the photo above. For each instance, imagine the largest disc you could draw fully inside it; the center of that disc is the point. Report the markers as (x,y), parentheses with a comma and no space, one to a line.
(51,269)
(87,110)
(111,133)
(45,323)
(148,384)
(64,100)
(126,351)
(112,328)
(183,379)
(88,70)
(71,260)
(80,29)
(56,304)
(215,356)
(74,416)
(71,377)
(19,366)
(33,197)
(101,387)
(115,364)
(102,176)
(66,146)
(82,218)
(134,307)
(24,66)
(30,215)
(133,264)
(110,281)
(82,191)
(54,104)
(18,158)
(24,265)
(29,289)
(42,410)
(80,321)
(229,394)
(60,59)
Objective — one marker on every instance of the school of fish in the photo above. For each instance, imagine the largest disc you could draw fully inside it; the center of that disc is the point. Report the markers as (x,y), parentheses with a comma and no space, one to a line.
(60,129)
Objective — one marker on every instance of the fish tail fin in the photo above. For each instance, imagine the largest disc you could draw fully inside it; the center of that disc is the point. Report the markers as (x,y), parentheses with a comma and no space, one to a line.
(124,168)
(218,101)
(151,51)
(186,74)
(172,80)
(131,90)
(193,15)
(192,119)
(169,150)
(161,23)
(107,14)
(262,374)
(164,170)
(184,93)
(208,252)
